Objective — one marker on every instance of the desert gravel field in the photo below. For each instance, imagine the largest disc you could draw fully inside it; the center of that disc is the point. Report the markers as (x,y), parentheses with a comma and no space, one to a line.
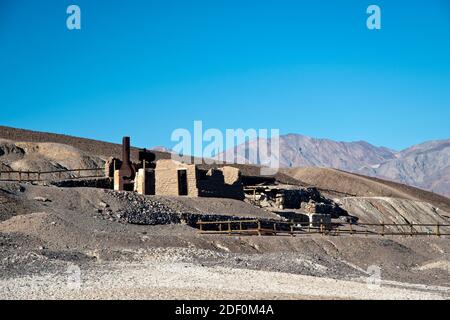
(165,279)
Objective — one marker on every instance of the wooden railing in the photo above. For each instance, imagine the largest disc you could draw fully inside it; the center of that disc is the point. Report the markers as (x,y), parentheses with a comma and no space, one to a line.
(53,175)
(271,227)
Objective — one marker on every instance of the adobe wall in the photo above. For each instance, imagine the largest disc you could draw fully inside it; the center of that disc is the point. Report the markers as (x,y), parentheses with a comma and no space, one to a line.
(231,175)
(144,182)
(222,183)
(166,178)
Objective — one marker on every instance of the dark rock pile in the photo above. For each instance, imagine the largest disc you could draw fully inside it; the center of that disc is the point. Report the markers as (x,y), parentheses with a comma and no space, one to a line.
(103,183)
(330,208)
(138,210)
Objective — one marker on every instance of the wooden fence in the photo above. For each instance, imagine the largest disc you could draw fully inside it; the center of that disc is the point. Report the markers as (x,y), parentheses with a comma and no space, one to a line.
(53,175)
(266,227)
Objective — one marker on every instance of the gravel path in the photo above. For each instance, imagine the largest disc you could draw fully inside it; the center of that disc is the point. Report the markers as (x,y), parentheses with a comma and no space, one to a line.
(169,280)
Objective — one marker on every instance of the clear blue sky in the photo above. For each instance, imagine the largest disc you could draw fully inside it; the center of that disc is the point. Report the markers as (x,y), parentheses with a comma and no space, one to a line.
(145,68)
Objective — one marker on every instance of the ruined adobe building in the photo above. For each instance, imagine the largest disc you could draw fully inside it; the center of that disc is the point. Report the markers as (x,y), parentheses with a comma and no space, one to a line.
(172,178)
(192,181)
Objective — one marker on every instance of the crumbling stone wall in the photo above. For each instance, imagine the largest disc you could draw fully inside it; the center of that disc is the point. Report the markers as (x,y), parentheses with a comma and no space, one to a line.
(110,165)
(223,182)
(294,198)
(318,219)
(289,198)
(231,175)
(144,182)
(331,209)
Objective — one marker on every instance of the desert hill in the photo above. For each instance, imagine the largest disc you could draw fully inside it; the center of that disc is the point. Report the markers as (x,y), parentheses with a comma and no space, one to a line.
(89,146)
(346,184)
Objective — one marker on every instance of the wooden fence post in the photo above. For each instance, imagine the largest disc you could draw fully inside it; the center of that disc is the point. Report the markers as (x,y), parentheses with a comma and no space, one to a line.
(200,224)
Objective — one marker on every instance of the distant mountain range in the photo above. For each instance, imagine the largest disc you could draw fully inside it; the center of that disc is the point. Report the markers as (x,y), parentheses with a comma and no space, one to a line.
(426,165)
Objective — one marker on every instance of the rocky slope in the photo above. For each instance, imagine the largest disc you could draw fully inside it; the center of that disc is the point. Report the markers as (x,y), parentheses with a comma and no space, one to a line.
(44,156)
(88,146)
(340,184)
(398,211)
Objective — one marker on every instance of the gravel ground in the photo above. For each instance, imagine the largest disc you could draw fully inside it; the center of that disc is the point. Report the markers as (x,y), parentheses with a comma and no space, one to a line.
(178,280)
(187,273)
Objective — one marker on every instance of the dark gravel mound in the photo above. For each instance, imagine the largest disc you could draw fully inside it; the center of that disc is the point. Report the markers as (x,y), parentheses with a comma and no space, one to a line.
(141,210)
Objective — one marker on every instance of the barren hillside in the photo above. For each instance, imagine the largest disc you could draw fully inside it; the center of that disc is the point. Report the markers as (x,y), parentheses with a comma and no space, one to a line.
(90,146)
(44,156)
(341,183)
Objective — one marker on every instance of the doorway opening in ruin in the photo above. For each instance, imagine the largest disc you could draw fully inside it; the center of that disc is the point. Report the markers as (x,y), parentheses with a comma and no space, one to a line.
(182,183)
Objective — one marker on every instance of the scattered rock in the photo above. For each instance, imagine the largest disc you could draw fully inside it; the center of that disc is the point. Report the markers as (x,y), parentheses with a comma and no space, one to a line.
(103,205)
(42,199)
